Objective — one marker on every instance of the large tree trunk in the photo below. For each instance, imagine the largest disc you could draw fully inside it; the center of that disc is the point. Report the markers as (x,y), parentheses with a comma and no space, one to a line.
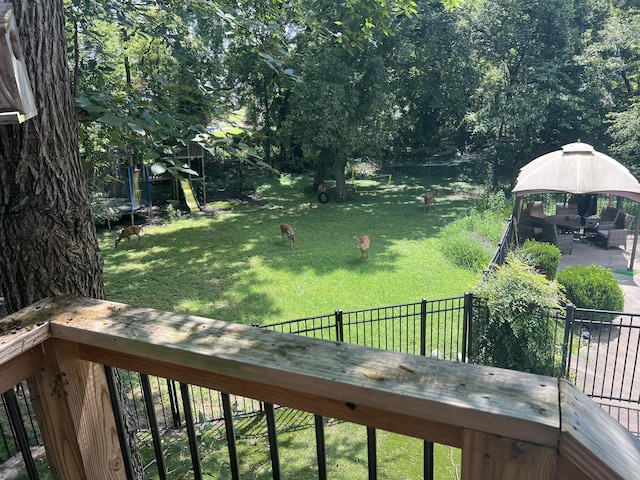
(341,184)
(323,166)
(47,236)
(48,242)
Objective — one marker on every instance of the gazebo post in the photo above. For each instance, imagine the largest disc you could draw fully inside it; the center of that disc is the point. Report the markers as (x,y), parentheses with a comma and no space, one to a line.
(635,242)
(516,215)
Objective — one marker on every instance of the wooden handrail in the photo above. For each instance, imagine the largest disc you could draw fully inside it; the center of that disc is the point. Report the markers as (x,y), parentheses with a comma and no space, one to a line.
(509,424)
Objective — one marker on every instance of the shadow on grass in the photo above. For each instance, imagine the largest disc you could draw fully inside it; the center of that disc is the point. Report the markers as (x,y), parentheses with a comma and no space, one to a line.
(210,264)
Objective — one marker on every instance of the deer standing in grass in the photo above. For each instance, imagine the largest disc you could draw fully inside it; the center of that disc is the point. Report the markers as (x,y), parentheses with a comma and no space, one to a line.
(286,230)
(127,232)
(362,244)
(428,200)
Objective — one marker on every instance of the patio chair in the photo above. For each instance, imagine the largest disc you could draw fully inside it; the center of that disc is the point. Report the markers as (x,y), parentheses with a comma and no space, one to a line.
(535,209)
(526,231)
(606,221)
(528,226)
(616,236)
(608,218)
(566,209)
(550,234)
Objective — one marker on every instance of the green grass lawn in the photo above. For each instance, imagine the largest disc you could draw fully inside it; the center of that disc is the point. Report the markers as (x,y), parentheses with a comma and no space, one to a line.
(233,266)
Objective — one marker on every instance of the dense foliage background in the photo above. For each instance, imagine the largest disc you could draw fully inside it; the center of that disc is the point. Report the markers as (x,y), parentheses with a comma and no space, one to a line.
(320,83)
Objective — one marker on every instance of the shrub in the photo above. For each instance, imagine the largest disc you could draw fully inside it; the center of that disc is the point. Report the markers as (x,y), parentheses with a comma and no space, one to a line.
(470,242)
(494,202)
(541,255)
(467,253)
(593,287)
(518,328)
(173,212)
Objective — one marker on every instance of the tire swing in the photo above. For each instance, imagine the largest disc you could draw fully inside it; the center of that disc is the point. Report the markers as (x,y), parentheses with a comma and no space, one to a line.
(323,197)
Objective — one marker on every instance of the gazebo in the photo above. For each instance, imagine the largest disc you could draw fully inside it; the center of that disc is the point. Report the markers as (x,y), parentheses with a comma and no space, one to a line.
(578,169)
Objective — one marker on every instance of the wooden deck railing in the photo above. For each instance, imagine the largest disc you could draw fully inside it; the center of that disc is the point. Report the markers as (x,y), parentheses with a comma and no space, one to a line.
(508,424)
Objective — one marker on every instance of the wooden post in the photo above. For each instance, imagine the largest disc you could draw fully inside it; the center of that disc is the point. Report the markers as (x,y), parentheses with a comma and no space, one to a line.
(71,401)
(500,458)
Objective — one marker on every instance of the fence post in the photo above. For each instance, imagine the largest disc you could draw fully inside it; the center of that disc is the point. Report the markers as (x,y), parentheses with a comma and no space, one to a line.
(466,329)
(339,326)
(423,327)
(231,436)
(72,404)
(153,425)
(20,432)
(191,432)
(372,456)
(568,325)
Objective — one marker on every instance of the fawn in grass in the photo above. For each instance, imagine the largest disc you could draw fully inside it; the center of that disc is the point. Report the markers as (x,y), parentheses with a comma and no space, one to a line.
(286,231)
(127,232)
(362,244)
(428,199)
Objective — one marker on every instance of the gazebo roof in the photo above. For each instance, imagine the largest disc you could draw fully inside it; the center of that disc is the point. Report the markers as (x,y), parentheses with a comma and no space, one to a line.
(577,168)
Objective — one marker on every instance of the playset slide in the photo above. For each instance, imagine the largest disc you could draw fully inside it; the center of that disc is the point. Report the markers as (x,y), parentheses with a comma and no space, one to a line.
(190,198)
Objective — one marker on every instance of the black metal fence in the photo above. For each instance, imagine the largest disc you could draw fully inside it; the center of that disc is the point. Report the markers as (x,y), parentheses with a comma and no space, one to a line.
(604,361)
(503,248)
(433,328)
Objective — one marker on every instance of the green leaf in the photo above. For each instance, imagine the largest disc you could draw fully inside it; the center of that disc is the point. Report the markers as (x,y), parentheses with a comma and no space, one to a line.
(110,119)
(95,109)
(136,128)
(186,169)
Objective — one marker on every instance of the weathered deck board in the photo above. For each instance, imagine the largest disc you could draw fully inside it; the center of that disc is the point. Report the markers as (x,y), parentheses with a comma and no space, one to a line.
(19,368)
(74,412)
(613,451)
(501,402)
(24,330)
(499,458)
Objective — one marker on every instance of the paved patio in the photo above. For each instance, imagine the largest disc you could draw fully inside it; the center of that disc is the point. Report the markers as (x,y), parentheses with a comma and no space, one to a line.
(607,350)
(589,253)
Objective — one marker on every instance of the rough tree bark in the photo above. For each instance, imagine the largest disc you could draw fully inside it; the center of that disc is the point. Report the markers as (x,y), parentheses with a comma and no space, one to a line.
(323,165)
(47,236)
(331,159)
(341,183)
(48,242)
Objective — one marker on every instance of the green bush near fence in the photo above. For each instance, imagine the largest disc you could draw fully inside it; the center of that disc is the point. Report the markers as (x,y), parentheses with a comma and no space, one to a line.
(517,331)
(593,287)
(542,256)
(470,242)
